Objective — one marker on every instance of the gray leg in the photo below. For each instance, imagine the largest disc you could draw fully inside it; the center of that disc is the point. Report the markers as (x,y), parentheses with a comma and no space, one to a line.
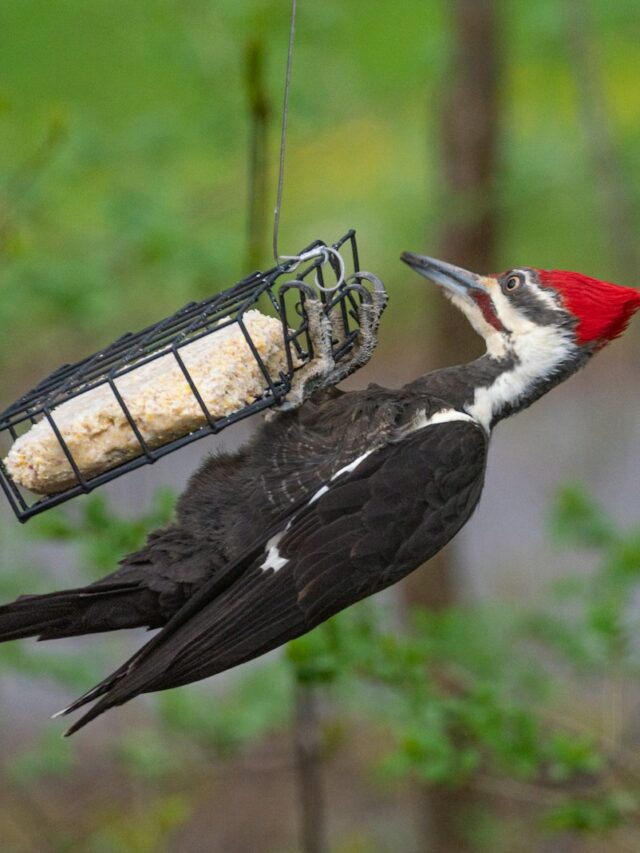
(369,314)
(323,371)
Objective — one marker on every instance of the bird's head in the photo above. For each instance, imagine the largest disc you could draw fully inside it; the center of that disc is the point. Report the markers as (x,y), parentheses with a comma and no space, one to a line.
(540,326)
(551,314)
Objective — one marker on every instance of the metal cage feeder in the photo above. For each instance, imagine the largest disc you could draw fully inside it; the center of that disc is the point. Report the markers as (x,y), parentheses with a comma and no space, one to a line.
(288,300)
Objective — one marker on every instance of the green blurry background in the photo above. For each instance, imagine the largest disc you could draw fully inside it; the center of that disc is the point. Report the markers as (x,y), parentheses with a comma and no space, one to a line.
(125,132)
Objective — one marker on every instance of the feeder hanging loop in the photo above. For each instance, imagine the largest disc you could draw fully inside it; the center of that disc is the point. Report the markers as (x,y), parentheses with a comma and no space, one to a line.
(325,252)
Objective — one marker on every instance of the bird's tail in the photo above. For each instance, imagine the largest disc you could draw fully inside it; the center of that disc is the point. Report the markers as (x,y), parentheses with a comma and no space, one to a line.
(86,610)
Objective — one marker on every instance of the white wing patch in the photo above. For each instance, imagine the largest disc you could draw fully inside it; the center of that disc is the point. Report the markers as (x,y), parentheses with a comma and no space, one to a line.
(321,491)
(274,560)
(352,465)
(444,416)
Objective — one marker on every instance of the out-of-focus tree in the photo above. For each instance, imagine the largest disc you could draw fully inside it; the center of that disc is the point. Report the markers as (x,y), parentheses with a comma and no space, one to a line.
(470,123)
(616,201)
(258,173)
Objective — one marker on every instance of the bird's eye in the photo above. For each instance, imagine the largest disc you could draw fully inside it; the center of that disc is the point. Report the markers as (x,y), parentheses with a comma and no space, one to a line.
(513,282)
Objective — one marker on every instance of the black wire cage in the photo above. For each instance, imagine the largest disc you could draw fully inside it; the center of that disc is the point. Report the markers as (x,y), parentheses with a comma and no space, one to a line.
(276,291)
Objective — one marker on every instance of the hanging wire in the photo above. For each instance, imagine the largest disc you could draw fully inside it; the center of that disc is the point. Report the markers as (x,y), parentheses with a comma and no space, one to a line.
(327,252)
(283,133)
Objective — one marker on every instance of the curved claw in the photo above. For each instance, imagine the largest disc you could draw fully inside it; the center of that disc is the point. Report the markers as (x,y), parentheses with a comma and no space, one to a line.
(323,371)
(377,283)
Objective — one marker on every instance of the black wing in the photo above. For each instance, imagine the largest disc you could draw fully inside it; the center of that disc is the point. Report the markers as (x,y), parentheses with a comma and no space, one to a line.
(232,500)
(364,530)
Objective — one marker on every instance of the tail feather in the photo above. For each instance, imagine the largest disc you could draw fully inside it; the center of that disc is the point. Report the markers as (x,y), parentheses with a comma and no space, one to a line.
(95,692)
(98,690)
(117,688)
(85,610)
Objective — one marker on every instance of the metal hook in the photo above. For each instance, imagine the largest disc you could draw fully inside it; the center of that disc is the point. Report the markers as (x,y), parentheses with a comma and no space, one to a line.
(294,261)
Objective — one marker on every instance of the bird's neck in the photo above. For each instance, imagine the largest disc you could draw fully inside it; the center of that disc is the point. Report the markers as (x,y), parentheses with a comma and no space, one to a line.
(492,388)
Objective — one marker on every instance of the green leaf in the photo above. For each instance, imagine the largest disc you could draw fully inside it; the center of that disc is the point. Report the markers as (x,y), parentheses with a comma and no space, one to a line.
(578,520)
(592,815)
(571,755)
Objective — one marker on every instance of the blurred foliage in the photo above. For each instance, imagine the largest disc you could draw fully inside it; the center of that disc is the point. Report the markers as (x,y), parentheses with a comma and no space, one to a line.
(124,140)
(138,831)
(123,187)
(49,756)
(456,709)
(102,537)
(462,710)
(239,719)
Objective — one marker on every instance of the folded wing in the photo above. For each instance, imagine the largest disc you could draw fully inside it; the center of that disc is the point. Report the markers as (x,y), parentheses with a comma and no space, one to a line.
(372,523)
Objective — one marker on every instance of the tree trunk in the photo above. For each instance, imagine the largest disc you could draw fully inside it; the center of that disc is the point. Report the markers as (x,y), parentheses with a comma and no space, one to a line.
(257,178)
(616,202)
(309,760)
(469,143)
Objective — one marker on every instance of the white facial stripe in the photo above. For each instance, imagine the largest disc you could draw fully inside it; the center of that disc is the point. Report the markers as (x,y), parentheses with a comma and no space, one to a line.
(539,350)
(509,316)
(544,296)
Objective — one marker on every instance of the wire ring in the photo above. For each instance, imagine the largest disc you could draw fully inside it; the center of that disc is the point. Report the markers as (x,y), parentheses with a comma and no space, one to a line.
(329,250)
(325,252)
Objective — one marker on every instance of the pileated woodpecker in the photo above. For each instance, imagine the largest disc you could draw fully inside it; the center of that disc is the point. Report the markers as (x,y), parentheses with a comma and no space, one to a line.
(333,501)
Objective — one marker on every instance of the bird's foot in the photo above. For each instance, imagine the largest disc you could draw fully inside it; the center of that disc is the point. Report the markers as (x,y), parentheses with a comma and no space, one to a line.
(324,329)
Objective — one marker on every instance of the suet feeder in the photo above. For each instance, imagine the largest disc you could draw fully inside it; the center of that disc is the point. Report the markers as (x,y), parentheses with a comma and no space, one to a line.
(308,312)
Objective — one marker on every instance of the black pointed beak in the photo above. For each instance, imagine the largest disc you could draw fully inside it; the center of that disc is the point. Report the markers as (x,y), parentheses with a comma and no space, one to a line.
(454,279)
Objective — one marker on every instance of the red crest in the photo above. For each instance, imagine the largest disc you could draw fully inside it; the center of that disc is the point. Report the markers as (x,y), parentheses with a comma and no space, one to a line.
(602,309)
